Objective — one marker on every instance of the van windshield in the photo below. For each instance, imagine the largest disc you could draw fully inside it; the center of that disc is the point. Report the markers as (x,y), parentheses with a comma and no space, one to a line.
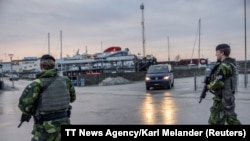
(158,69)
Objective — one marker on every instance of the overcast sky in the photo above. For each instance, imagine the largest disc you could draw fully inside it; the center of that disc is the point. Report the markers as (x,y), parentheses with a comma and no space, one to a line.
(99,24)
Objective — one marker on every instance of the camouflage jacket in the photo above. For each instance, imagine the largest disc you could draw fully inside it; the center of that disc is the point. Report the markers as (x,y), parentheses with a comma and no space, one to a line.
(220,77)
(32,91)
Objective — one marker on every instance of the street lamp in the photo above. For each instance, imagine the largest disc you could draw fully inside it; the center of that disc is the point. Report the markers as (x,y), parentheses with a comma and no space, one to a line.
(143,30)
(1,67)
(11,55)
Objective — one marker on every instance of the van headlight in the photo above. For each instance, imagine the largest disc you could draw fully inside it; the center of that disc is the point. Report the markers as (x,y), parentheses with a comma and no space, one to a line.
(147,78)
(166,77)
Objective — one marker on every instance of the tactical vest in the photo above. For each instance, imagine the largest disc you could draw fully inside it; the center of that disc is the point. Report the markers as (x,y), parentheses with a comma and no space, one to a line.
(234,77)
(55,97)
(231,81)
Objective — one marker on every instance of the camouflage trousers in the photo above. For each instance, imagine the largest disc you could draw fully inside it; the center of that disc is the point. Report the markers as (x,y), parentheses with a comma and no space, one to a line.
(49,130)
(220,114)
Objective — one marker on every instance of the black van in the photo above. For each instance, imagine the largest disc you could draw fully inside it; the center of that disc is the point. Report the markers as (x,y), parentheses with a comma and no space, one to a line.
(160,75)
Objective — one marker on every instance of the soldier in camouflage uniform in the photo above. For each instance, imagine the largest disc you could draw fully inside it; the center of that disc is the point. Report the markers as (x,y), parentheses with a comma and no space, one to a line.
(222,85)
(47,99)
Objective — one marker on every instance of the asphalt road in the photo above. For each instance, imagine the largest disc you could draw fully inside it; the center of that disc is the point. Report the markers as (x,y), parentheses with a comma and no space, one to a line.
(124,104)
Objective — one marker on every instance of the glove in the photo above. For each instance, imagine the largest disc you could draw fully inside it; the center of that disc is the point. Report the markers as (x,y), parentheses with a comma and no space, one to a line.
(25,117)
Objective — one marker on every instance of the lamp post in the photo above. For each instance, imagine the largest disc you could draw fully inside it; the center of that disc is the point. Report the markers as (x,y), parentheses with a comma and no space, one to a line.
(245,26)
(1,67)
(11,55)
(143,30)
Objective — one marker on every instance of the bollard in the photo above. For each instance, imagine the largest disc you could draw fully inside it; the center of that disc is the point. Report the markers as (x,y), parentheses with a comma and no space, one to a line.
(194,81)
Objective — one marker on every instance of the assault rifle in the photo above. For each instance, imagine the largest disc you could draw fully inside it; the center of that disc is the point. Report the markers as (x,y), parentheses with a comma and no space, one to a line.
(205,89)
(207,81)
(24,118)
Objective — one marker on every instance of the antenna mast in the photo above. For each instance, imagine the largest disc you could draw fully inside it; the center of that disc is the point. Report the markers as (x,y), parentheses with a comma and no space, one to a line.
(48,44)
(61,44)
(199,41)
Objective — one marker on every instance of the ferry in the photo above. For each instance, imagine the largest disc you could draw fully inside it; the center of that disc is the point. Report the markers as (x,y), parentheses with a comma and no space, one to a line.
(112,60)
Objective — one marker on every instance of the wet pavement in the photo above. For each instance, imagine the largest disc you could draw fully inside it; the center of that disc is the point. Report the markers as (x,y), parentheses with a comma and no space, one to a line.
(124,104)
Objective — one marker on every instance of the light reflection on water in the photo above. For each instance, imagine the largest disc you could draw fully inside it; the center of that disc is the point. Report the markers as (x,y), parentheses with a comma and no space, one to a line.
(158,109)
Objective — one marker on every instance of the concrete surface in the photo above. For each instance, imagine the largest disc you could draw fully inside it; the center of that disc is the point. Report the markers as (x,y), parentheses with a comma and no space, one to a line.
(124,104)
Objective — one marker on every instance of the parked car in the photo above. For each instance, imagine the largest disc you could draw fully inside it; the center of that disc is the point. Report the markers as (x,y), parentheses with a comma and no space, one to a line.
(160,75)
(14,77)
